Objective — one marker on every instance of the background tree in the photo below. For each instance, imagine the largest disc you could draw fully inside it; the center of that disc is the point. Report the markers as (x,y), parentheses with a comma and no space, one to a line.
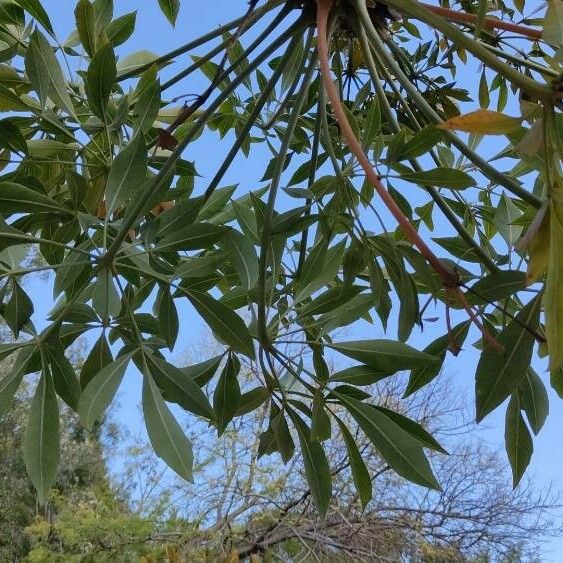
(96,178)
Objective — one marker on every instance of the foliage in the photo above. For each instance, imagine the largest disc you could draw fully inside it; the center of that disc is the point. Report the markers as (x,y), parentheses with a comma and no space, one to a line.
(95,176)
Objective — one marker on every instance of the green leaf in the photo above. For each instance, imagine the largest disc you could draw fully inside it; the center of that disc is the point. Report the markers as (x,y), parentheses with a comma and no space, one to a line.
(518,442)
(245,258)
(496,286)
(192,237)
(64,378)
(203,372)
(120,29)
(170,9)
(421,142)
(372,124)
(359,375)
(101,390)
(99,357)
(440,177)
(224,322)
(282,434)
(127,173)
(179,387)
(360,472)
(534,400)
(18,310)
(500,373)
(36,11)
(317,469)
(386,356)
(100,79)
(505,216)
(147,106)
(9,383)
(11,137)
(226,398)
(42,447)
(45,73)
(135,61)
(423,375)
(320,421)
(167,317)
(398,448)
(320,268)
(105,297)
(85,16)
(165,434)
(413,428)
(15,198)
(251,400)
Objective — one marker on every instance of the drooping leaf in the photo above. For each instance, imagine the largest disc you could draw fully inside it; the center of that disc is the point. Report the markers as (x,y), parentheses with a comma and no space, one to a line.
(99,357)
(226,398)
(400,450)
(170,9)
(224,322)
(179,387)
(518,442)
(66,383)
(42,448)
(317,469)
(168,317)
(500,373)
(101,390)
(10,382)
(360,473)
(18,310)
(105,299)
(534,400)
(165,434)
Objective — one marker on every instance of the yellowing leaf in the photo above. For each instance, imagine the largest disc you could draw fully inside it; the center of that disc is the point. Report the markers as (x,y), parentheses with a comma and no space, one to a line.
(482,122)
(536,241)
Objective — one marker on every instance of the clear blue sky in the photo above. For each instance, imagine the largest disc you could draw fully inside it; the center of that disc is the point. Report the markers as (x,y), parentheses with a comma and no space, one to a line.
(154,33)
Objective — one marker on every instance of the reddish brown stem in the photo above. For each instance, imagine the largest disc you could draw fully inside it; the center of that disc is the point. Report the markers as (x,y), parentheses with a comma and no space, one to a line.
(489,23)
(449,277)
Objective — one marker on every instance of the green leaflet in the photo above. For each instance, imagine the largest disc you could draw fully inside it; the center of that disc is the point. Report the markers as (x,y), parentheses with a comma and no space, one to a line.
(36,11)
(18,310)
(170,9)
(386,356)
(518,442)
(226,398)
(316,465)
(45,73)
(100,80)
(440,177)
(244,256)
(224,322)
(400,450)
(360,472)
(42,449)
(534,400)
(127,173)
(178,387)
(500,373)
(165,434)
(101,390)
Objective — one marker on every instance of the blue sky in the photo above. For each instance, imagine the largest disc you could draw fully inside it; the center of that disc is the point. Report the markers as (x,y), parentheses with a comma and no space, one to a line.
(154,33)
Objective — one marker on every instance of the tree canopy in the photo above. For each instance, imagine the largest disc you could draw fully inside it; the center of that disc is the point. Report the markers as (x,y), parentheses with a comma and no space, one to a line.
(380,201)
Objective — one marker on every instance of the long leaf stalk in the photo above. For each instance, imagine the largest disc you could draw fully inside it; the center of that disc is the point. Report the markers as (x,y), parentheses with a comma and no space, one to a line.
(206,38)
(224,73)
(433,192)
(251,120)
(158,181)
(487,169)
(268,216)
